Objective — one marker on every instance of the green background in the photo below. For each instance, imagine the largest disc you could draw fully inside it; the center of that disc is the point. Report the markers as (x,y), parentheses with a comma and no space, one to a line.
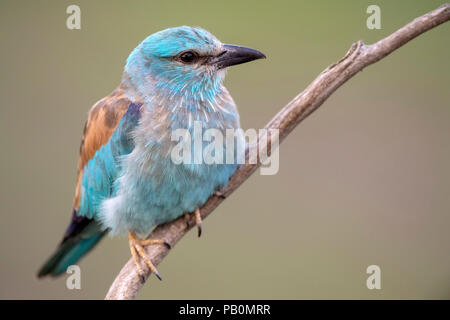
(365,180)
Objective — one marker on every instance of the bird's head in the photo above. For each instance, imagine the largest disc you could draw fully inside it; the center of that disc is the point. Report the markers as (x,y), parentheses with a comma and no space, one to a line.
(183,59)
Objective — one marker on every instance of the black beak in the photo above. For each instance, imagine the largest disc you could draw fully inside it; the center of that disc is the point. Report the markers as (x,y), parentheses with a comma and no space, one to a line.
(232,55)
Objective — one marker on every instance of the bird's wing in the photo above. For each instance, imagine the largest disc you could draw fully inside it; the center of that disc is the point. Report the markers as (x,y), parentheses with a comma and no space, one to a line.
(103,119)
(107,136)
(100,173)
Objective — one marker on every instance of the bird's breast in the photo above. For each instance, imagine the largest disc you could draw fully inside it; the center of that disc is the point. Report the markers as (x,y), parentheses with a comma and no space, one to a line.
(155,187)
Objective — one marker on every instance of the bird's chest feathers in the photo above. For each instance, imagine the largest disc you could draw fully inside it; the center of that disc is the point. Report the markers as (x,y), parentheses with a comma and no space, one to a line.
(158,183)
(163,123)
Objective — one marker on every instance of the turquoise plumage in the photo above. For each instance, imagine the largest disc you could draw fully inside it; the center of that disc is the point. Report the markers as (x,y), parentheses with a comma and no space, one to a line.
(127,180)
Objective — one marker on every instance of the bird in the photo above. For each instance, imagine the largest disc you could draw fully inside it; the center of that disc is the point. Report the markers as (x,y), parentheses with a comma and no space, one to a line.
(127,183)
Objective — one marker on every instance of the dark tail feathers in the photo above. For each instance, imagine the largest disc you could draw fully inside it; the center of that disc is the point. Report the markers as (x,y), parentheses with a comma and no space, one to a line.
(81,236)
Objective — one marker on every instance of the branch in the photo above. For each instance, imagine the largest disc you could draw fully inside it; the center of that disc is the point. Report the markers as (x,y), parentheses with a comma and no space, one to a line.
(127,283)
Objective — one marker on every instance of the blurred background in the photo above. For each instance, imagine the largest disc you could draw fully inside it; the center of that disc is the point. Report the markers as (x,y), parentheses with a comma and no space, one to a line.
(365,180)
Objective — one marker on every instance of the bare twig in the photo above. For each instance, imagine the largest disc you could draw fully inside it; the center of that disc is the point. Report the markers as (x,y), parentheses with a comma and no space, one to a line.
(127,283)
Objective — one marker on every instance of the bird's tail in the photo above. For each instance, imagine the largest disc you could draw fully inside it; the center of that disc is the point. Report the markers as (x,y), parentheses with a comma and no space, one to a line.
(75,245)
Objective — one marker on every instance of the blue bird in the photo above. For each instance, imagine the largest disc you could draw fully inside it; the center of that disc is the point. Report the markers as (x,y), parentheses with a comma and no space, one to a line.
(127,182)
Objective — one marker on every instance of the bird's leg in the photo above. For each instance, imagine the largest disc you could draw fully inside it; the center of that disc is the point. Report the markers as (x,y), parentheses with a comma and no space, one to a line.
(137,250)
(135,256)
(198,220)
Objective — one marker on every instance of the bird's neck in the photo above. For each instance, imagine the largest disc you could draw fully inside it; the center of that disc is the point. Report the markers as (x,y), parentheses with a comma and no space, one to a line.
(180,103)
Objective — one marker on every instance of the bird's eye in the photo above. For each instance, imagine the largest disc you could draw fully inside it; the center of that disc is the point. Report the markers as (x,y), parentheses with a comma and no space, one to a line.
(188,56)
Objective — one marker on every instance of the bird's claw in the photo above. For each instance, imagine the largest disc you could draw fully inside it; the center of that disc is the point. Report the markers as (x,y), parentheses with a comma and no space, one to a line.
(138,252)
(198,221)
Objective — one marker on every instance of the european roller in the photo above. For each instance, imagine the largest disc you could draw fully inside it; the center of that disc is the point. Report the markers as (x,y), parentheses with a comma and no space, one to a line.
(127,182)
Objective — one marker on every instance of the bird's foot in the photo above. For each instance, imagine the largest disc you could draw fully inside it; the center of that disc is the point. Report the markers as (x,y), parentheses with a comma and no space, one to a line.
(198,220)
(137,251)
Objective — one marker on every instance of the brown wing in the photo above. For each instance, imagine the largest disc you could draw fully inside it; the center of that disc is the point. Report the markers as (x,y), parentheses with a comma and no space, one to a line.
(102,120)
